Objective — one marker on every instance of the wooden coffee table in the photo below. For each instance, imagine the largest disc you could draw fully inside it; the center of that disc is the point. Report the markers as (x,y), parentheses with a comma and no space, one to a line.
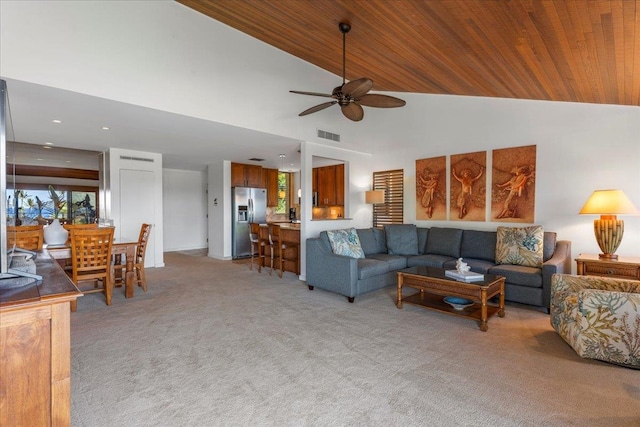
(434,285)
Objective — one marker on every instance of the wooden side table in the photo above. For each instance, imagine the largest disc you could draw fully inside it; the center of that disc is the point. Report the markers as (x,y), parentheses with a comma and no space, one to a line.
(622,268)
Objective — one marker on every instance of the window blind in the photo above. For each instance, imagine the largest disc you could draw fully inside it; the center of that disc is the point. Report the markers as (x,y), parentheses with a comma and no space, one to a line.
(392,210)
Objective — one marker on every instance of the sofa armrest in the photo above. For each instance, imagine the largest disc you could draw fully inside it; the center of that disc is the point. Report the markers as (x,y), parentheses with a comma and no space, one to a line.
(559,263)
(326,270)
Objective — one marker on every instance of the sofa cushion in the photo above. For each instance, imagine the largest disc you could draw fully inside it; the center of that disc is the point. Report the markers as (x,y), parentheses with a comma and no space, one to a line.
(478,245)
(381,241)
(549,245)
(423,233)
(367,241)
(519,274)
(402,239)
(345,242)
(520,245)
(369,267)
(395,262)
(429,260)
(444,241)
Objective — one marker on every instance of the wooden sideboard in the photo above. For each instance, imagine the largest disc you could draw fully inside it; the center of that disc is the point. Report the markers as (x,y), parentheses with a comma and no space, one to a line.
(35,349)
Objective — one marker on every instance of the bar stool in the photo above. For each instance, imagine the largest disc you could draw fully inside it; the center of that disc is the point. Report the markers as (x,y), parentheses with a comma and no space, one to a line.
(264,244)
(289,248)
(254,237)
(274,242)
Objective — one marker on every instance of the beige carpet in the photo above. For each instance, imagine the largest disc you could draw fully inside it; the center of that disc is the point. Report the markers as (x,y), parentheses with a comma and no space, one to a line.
(213,343)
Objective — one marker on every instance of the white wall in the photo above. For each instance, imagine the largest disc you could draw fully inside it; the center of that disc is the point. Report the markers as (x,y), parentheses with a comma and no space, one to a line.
(219,205)
(580,148)
(184,204)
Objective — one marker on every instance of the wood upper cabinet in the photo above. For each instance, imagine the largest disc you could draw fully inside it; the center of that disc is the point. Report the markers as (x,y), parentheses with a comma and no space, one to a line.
(243,175)
(340,185)
(270,182)
(327,186)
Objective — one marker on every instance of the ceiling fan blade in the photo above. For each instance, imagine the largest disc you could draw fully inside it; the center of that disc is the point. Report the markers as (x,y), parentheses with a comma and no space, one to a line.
(357,88)
(380,101)
(311,93)
(353,111)
(317,108)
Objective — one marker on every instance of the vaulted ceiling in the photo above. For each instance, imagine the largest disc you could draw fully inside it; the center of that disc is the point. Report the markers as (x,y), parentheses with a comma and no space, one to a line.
(571,50)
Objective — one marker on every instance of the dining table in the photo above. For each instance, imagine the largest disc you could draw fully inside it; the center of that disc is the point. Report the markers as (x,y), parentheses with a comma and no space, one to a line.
(128,249)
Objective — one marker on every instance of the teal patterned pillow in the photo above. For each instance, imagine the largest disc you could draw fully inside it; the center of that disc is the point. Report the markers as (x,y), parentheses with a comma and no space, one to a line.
(520,246)
(345,242)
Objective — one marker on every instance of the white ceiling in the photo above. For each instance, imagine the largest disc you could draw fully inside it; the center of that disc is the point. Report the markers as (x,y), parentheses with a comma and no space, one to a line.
(185,142)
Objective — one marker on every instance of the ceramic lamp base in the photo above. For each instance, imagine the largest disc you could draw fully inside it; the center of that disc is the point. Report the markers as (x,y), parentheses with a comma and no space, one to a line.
(608,230)
(55,233)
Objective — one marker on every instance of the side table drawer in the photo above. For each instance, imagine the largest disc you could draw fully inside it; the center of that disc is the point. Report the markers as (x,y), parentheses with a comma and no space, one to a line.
(604,269)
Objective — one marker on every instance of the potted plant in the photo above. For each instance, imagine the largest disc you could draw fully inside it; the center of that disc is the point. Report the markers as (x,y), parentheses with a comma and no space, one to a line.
(54,233)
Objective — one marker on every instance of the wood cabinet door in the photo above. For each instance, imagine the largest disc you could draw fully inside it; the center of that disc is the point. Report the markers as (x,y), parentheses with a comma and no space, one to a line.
(327,186)
(340,185)
(271,181)
(253,175)
(237,175)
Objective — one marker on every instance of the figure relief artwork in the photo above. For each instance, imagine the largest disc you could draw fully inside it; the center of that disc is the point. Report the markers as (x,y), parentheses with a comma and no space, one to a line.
(468,186)
(513,189)
(431,202)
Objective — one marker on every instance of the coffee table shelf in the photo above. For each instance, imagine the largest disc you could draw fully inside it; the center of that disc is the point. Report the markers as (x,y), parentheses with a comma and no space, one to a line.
(434,285)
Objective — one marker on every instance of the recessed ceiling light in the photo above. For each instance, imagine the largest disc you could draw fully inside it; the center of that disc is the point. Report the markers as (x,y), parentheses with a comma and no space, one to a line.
(39,159)
(48,143)
(47,147)
(56,121)
(67,161)
(105,128)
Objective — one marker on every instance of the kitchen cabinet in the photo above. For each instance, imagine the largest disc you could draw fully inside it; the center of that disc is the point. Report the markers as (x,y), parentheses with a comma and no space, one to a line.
(270,182)
(340,185)
(243,175)
(328,185)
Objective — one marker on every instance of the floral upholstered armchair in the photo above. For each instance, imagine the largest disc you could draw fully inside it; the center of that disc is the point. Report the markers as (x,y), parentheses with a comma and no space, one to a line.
(598,316)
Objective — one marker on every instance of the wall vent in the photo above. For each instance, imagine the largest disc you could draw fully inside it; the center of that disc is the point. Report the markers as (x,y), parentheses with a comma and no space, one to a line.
(328,135)
(255,159)
(137,159)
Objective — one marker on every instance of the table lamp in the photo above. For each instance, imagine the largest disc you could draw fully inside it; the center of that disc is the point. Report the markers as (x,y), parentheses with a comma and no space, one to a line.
(608,229)
(374,196)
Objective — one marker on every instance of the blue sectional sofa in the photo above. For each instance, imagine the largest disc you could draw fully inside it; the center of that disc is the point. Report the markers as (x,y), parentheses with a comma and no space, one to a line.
(397,247)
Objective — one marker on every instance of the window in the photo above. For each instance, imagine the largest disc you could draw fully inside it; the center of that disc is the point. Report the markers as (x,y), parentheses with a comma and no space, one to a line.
(283,193)
(33,203)
(392,210)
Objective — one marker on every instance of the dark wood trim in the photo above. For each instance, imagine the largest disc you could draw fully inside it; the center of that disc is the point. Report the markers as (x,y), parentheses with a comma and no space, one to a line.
(31,170)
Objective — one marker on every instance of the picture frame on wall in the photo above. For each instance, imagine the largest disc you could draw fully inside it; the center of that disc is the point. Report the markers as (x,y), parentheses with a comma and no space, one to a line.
(468,187)
(513,184)
(431,188)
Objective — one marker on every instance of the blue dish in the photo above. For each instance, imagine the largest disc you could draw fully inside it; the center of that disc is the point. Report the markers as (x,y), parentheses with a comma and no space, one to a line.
(458,303)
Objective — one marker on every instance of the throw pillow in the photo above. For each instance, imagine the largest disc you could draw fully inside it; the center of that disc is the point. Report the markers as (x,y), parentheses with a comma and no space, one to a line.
(345,242)
(520,246)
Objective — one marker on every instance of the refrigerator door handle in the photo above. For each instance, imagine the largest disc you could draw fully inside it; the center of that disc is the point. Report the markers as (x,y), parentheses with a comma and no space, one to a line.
(250,210)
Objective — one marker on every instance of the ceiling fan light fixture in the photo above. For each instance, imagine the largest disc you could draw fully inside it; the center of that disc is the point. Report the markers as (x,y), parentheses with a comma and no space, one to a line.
(353,95)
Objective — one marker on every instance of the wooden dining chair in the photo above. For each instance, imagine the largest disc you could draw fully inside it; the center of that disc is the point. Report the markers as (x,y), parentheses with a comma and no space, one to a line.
(70,227)
(138,262)
(29,237)
(91,260)
(254,238)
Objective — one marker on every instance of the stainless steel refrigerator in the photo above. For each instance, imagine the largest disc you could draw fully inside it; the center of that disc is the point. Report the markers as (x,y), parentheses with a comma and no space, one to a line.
(249,205)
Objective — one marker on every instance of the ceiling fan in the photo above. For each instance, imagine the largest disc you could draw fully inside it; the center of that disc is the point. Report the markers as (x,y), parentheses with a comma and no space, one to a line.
(353,95)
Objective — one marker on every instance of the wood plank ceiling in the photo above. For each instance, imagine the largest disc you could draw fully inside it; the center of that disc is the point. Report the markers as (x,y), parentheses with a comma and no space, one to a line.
(571,50)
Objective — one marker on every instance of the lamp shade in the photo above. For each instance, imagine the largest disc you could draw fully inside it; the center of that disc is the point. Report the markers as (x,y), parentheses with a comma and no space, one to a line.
(608,202)
(374,196)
